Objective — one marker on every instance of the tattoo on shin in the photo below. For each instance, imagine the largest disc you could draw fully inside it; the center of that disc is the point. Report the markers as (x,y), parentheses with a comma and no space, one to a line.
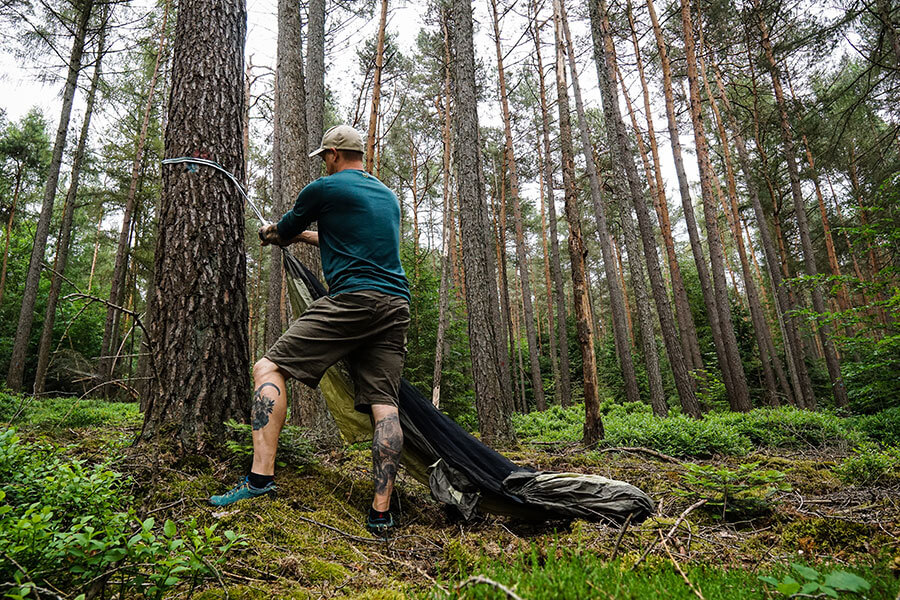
(387,443)
(262,406)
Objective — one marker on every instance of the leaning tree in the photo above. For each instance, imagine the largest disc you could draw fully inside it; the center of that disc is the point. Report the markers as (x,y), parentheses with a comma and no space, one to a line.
(199,336)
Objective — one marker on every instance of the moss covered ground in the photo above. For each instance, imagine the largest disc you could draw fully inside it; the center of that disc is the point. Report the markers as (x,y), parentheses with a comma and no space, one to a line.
(309,542)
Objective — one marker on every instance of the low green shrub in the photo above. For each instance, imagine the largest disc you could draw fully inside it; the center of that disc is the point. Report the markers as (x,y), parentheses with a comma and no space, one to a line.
(66,412)
(65,523)
(870,464)
(882,427)
(737,491)
(814,584)
(728,433)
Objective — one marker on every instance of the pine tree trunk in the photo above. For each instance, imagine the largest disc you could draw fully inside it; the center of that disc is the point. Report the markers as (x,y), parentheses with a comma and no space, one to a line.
(621,154)
(809,259)
(616,294)
(547,192)
(65,228)
(16,374)
(738,393)
(123,249)
(200,314)
(315,81)
(441,345)
(593,425)
(793,347)
(9,224)
(499,220)
(521,251)
(760,325)
(709,298)
(686,328)
(563,382)
(376,90)
(490,366)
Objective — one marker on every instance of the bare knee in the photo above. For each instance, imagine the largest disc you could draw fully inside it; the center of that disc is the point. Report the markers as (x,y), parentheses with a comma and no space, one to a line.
(264,368)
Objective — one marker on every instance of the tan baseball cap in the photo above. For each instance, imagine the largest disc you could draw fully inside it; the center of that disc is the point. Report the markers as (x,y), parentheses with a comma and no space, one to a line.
(341,137)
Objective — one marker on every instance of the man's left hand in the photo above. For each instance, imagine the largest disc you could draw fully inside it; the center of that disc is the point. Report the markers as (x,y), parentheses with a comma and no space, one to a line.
(268,234)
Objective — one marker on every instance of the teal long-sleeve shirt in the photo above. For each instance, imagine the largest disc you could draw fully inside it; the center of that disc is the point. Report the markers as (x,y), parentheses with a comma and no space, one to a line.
(359,232)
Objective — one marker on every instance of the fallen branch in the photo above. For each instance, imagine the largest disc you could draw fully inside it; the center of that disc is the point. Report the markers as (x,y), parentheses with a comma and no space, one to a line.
(689,510)
(476,579)
(355,538)
(642,450)
(620,536)
(681,571)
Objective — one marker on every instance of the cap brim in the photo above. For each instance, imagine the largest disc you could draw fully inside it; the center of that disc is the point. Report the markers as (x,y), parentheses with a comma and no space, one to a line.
(317,152)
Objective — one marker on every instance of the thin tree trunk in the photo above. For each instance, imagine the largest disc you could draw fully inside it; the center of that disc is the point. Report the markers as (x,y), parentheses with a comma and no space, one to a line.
(738,393)
(687,330)
(521,250)
(376,89)
(809,260)
(65,228)
(793,347)
(616,294)
(448,227)
(499,219)
(490,368)
(109,341)
(563,383)
(760,326)
(546,191)
(16,374)
(9,224)
(315,80)
(621,154)
(709,299)
(200,312)
(593,424)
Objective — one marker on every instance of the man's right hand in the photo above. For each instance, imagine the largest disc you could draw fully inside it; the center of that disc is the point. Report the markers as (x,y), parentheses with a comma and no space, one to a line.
(268,234)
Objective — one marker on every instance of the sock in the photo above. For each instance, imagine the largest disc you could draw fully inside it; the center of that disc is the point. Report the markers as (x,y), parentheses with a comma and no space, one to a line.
(260,481)
(377,515)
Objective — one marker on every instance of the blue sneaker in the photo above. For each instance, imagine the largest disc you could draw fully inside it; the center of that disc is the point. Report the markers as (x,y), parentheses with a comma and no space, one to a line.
(380,524)
(241,491)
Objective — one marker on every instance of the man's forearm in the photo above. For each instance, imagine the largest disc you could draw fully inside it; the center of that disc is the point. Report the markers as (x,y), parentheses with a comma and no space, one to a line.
(307,237)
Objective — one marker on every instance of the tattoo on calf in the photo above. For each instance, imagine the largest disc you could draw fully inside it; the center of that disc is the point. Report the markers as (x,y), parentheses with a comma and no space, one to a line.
(262,406)
(387,443)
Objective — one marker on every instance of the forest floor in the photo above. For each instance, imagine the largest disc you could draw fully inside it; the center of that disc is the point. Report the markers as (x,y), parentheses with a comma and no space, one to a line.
(788,516)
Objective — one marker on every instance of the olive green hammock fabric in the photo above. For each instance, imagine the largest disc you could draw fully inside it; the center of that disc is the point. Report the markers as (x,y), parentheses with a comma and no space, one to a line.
(459,469)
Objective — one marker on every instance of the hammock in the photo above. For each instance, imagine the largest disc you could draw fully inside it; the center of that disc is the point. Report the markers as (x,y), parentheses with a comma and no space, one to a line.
(460,470)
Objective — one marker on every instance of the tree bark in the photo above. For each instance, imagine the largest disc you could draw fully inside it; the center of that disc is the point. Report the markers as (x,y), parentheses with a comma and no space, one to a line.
(12,213)
(738,393)
(199,329)
(563,382)
(376,89)
(809,259)
(686,328)
(490,366)
(709,298)
(448,226)
(116,292)
(65,228)
(621,154)
(521,251)
(16,374)
(616,294)
(315,81)
(545,193)
(593,424)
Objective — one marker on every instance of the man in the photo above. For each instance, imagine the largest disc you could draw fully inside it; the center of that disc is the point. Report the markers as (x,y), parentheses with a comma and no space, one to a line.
(364,318)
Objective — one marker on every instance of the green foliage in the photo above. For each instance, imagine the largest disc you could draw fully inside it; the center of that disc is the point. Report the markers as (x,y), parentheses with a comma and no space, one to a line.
(817,584)
(63,524)
(746,488)
(66,412)
(870,465)
(294,447)
(882,427)
(725,433)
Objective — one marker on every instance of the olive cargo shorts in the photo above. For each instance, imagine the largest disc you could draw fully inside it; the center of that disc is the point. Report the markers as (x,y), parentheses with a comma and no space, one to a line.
(366,327)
